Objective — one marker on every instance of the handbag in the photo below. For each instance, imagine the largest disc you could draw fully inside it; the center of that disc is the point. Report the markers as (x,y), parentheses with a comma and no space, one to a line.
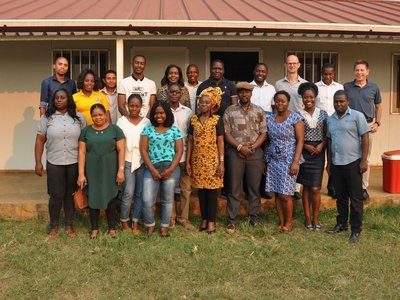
(80,199)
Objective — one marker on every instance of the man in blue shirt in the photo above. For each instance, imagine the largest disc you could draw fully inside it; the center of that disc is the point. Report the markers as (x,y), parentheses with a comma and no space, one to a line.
(347,153)
(365,97)
(53,83)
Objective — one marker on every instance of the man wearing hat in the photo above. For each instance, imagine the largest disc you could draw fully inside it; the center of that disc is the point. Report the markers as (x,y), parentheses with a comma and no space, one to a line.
(245,131)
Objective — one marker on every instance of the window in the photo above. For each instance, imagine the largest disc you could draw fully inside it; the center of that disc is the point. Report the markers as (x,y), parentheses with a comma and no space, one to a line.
(81,59)
(312,61)
(395,90)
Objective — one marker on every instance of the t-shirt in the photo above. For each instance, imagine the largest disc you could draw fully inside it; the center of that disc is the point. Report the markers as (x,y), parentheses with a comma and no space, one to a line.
(84,103)
(144,87)
(161,146)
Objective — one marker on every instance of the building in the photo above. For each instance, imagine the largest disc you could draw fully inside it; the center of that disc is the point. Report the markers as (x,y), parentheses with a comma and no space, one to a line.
(103,34)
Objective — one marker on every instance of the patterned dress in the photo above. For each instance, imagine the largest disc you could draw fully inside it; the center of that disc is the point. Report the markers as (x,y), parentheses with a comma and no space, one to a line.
(204,159)
(280,155)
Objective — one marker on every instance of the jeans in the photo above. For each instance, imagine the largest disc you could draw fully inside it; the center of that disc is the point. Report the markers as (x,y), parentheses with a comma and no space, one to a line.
(150,190)
(185,189)
(61,184)
(133,187)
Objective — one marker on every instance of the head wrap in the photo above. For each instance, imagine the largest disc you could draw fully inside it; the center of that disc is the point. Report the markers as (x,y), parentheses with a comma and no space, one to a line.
(214,93)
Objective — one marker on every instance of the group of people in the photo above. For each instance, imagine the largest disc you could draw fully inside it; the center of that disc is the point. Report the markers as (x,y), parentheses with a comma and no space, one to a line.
(250,137)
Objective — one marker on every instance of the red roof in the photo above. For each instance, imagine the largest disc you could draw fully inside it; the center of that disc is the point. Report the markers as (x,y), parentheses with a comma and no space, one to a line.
(343,12)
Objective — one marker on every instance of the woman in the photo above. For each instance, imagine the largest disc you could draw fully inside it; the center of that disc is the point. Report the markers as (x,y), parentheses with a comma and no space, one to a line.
(312,169)
(132,126)
(173,74)
(283,156)
(161,147)
(205,155)
(101,166)
(88,85)
(60,128)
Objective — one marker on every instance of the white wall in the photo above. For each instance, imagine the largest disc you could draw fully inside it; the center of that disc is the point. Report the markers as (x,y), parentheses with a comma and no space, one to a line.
(23,65)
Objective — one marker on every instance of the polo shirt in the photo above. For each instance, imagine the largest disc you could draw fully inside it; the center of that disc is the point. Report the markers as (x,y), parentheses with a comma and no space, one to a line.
(51,85)
(245,125)
(263,96)
(324,99)
(363,98)
(228,89)
(84,103)
(62,136)
(144,87)
(345,134)
(182,117)
(113,102)
(296,102)
(192,93)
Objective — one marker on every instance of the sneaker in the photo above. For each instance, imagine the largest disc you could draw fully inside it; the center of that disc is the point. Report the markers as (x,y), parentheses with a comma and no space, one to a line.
(230,228)
(354,237)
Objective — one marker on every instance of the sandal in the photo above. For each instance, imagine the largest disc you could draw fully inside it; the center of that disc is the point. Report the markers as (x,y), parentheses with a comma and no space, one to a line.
(309,227)
(317,227)
(70,231)
(112,233)
(94,234)
(53,233)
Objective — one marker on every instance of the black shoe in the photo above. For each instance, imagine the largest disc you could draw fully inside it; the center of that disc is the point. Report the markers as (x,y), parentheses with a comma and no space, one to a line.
(365,195)
(254,221)
(297,195)
(337,228)
(211,231)
(354,237)
(332,193)
(266,195)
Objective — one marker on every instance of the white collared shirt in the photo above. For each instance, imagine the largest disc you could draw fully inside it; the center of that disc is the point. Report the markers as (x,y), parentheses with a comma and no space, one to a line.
(324,99)
(263,96)
(182,117)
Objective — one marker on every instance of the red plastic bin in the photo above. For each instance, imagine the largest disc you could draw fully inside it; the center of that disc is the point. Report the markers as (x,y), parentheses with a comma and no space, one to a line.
(391,171)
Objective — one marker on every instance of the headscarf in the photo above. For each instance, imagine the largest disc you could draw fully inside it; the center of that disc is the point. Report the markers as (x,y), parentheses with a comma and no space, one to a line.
(214,93)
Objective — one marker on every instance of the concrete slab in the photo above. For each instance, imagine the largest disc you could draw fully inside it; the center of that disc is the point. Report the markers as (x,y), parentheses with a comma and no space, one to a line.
(23,196)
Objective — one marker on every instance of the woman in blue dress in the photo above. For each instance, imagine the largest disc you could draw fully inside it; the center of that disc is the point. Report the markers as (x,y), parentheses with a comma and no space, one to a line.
(311,171)
(283,157)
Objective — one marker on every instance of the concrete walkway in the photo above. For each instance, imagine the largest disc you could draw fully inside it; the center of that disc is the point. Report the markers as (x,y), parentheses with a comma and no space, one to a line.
(23,196)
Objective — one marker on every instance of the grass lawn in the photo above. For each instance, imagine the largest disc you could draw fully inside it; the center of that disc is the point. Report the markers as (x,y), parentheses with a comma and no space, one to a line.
(254,263)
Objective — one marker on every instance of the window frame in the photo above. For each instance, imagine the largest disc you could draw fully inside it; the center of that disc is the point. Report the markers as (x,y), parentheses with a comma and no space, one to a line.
(395,103)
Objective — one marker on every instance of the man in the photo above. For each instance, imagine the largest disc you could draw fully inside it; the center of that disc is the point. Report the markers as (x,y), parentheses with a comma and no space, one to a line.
(327,87)
(245,132)
(290,83)
(137,84)
(263,92)
(182,115)
(53,83)
(365,97)
(347,153)
(217,79)
(110,90)
(192,83)
(263,96)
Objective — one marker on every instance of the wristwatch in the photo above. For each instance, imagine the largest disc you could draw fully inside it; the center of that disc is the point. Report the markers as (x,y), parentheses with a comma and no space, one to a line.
(378,123)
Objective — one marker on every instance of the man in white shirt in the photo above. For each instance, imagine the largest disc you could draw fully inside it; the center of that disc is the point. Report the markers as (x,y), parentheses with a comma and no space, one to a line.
(327,87)
(137,84)
(263,92)
(182,115)
(192,83)
(110,90)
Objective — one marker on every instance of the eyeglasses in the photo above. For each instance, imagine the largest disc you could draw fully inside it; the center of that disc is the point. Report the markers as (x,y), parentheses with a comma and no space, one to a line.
(174,92)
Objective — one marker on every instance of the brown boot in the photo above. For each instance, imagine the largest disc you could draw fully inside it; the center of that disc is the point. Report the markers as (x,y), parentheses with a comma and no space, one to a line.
(125,227)
(135,228)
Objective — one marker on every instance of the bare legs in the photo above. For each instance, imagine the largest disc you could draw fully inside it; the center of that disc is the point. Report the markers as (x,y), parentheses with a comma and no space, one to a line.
(284,208)
(311,203)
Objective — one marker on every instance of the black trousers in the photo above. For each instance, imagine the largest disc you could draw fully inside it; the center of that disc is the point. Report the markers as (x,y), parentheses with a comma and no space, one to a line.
(347,181)
(61,184)
(208,204)
(110,212)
